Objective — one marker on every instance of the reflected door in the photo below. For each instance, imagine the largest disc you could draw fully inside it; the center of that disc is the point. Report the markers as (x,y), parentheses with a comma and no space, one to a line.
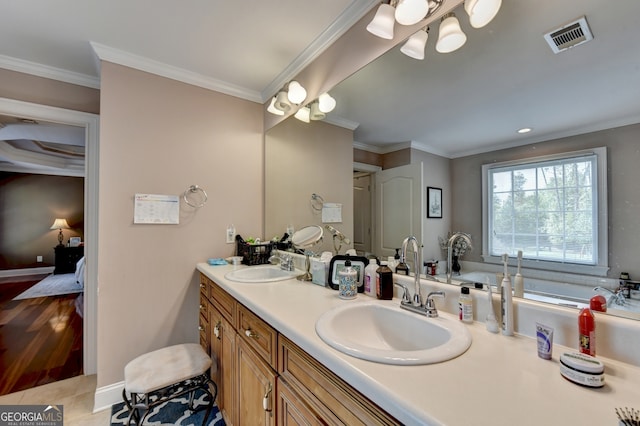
(399,207)
(362,213)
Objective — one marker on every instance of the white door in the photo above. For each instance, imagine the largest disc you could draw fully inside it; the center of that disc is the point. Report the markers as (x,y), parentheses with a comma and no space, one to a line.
(399,207)
(362,213)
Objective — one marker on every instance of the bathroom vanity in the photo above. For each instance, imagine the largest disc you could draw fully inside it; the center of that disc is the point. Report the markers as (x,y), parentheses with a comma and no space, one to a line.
(273,368)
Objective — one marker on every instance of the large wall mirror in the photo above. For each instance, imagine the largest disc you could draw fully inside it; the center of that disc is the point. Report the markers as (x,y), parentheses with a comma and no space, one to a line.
(466,107)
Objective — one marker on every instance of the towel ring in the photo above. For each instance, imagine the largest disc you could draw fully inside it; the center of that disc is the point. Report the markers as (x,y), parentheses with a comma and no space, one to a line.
(315,199)
(191,190)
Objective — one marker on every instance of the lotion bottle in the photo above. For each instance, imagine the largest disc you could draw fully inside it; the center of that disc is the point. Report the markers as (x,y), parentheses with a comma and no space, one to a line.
(465,305)
(506,300)
(370,278)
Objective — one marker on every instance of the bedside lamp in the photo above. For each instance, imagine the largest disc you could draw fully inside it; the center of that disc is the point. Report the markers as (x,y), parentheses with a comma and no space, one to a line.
(60,224)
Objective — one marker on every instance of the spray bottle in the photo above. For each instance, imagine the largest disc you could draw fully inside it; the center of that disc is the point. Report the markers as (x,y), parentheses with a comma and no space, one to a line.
(506,300)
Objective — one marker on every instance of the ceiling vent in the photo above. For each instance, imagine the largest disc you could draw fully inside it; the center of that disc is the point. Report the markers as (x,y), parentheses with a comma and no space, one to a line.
(569,35)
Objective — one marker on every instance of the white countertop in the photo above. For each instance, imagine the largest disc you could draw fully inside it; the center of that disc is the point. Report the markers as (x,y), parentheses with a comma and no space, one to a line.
(499,380)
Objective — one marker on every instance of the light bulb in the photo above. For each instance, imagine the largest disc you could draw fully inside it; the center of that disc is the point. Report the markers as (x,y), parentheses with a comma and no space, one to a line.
(272,108)
(414,47)
(383,22)
(481,12)
(282,102)
(304,114)
(450,37)
(326,102)
(315,112)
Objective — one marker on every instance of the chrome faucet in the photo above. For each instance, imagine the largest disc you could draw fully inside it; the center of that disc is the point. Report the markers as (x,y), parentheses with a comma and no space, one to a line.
(429,308)
(417,259)
(616,296)
(285,260)
(450,243)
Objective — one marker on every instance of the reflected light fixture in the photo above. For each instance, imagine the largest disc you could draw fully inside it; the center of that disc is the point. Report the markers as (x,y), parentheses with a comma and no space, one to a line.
(383,22)
(450,37)
(326,102)
(409,12)
(481,12)
(60,224)
(303,114)
(296,93)
(414,47)
(281,102)
(315,112)
(272,107)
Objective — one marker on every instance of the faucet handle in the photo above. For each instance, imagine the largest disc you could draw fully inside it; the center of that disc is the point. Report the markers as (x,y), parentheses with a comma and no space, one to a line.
(430,305)
(405,294)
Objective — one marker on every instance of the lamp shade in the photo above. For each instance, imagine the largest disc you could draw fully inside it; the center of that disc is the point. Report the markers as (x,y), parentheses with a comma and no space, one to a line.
(282,102)
(304,114)
(326,102)
(383,22)
(414,47)
(481,12)
(272,108)
(409,12)
(315,113)
(297,93)
(60,224)
(450,37)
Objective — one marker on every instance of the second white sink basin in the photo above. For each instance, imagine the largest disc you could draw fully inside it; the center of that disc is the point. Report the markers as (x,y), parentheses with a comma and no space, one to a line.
(260,274)
(390,335)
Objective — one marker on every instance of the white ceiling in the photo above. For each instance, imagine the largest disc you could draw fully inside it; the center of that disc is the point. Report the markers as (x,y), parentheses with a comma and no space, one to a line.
(472,100)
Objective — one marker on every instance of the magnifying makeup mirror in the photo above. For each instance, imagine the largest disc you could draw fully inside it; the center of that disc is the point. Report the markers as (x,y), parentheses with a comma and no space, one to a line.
(305,239)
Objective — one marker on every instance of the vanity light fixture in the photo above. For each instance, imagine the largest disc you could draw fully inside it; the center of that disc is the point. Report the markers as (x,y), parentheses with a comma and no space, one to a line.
(296,93)
(414,47)
(326,102)
(450,37)
(272,108)
(304,114)
(315,112)
(481,12)
(384,20)
(409,12)
(282,102)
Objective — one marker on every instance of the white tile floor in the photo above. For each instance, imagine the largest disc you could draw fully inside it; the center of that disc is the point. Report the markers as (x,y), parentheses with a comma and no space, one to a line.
(75,394)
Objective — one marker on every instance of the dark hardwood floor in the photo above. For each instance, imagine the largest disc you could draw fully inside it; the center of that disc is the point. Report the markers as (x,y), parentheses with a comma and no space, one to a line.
(40,338)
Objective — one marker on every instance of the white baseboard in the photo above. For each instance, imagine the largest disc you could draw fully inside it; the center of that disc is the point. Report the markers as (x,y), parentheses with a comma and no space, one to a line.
(26,271)
(106,396)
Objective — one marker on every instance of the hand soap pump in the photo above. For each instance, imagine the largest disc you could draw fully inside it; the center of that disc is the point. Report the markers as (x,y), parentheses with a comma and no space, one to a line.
(347,282)
(506,300)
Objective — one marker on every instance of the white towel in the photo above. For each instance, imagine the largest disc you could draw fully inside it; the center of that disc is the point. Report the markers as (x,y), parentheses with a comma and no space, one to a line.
(80,272)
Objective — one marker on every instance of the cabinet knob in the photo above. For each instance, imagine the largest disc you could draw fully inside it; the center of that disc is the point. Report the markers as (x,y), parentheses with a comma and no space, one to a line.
(250,333)
(202,285)
(200,328)
(201,307)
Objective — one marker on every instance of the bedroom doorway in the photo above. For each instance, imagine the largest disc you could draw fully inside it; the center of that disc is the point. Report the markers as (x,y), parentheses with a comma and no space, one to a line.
(90,124)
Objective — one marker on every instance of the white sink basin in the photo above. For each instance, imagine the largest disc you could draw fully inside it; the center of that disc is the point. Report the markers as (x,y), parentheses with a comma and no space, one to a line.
(390,335)
(260,274)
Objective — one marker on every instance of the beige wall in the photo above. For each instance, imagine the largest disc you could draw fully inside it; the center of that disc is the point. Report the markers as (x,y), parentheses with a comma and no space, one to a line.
(159,136)
(43,91)
(302,159)
(28,206)
(623,152)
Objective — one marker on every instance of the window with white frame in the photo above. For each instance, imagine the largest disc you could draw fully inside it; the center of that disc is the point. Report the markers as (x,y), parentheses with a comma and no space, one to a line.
(552,208)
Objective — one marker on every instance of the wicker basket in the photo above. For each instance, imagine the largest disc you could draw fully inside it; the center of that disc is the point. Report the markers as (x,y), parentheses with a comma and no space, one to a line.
(253,254)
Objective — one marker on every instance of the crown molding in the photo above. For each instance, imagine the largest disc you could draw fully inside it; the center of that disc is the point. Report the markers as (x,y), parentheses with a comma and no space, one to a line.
(120,57)
(46,71)
(341,122)
(352,14)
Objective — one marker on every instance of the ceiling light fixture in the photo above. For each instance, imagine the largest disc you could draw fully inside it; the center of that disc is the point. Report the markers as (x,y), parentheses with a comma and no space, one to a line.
(326,102)
(450,37)
(414,47)
(293,94)
(304,114)
(525,130)
(405,12)
(481,12)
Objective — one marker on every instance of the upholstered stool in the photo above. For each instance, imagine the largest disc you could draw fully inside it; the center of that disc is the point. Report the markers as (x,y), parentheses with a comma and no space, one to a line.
(159,376)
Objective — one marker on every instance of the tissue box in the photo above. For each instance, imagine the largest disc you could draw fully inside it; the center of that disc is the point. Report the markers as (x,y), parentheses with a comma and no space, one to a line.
(319,272)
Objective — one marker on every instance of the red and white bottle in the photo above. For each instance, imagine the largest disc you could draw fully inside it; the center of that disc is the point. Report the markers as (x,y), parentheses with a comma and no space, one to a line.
(587,332)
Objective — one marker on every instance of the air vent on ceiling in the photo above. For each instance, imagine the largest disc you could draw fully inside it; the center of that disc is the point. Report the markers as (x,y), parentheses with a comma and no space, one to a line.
(569,35)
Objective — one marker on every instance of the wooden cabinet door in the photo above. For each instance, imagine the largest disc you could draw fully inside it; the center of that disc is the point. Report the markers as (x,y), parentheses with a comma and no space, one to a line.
(292,409)
(223,347)
(256,388)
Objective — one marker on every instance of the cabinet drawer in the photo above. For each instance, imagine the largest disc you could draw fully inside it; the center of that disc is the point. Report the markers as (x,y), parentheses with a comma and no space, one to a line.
(205,284)
(224,303)
(259,335)
(331,397)
(203,307)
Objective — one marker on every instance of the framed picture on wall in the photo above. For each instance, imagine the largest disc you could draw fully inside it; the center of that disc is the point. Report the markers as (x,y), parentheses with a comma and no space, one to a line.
(434,202)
